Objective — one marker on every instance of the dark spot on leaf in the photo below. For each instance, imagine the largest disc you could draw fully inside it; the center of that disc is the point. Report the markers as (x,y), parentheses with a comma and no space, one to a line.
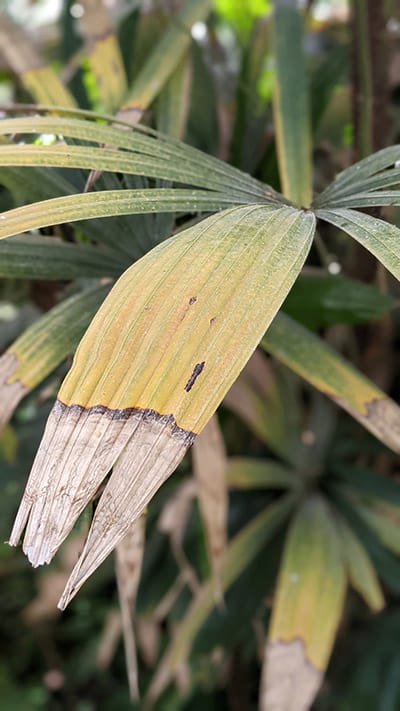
(192,300)
(212,320)
(196,372)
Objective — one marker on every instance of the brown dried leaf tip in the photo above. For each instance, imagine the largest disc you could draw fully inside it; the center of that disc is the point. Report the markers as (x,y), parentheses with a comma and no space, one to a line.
(289,681)
(79,447)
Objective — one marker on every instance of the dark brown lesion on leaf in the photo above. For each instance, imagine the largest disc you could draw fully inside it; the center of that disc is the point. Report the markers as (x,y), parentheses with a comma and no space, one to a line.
(192,300)
(198,368)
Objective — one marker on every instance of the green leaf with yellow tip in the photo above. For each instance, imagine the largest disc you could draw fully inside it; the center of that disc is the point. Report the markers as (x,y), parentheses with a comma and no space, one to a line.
(43,346)
(306,612)
(241,550)
(329,372)
(360,570)
(154,365)
(246,473)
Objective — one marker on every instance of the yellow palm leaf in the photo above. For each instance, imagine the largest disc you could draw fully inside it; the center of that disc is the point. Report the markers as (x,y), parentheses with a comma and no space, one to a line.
(154,365)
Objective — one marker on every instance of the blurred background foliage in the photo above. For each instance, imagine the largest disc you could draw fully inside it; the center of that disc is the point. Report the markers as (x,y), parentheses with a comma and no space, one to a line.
(224,107)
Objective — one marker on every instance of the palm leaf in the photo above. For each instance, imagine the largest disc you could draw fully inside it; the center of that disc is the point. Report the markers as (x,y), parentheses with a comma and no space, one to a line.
(103,54)
(164,58)
(330,373)
(349,180)
(44,345)
(306,611)
(114,161)
(360,570)
(38,257)
(379,198)
(246,473)
(379,237)
(175,332)
(147,143)
(291,103)
(106,203)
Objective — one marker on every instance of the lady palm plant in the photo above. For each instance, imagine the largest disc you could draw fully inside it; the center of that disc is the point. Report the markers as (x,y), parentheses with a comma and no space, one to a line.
(171,337)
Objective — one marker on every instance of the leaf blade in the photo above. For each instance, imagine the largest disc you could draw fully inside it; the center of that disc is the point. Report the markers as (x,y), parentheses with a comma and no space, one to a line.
(43,346)
(380,238)
(106,203)
(188,339)
(379,198)
(107,159)
(291,104)
(360,570)
(330,373)
(245,473)
(349,179)
(103,54)
(164,57)
(39,257)
(306,612)
(142,141)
